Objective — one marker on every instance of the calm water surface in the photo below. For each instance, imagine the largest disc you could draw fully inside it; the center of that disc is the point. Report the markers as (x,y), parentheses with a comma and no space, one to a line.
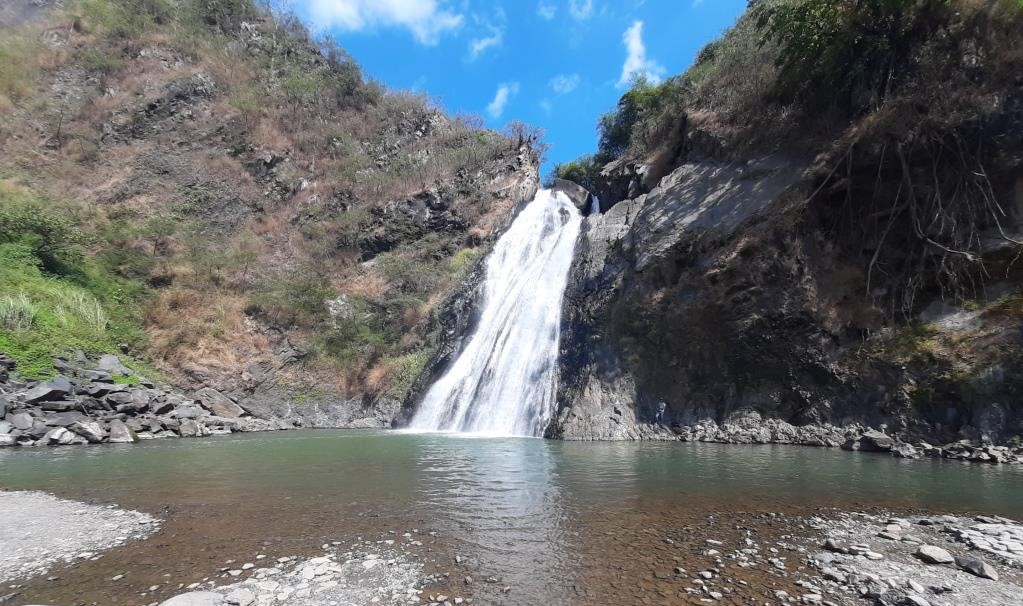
(531,512)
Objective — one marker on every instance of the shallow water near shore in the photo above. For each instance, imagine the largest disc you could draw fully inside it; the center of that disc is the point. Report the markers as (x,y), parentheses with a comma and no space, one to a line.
(554,521)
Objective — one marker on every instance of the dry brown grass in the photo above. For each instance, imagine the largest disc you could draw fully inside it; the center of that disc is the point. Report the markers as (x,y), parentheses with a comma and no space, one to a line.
(189,327)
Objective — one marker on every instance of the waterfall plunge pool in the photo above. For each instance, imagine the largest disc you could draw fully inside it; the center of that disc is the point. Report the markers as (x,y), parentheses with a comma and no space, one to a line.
(551,520)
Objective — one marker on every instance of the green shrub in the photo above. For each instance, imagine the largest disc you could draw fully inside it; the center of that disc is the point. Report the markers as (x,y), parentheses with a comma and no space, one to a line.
(52,298)
(407,369)
(51,237)
(643,100)
(409,276)
(585,171)
(842,50)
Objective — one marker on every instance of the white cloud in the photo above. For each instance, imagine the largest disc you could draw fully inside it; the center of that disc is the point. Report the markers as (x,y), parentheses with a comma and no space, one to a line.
(426,19)
(546,106)
(504,94)
(565,83)
(636,61)
(477,46)
(546,11)
(580,9)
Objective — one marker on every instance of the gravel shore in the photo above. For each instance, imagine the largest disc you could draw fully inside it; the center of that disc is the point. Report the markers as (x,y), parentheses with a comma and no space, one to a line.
(38,531)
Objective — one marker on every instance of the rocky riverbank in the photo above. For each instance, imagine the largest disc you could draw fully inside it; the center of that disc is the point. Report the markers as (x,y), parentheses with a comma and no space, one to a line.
(102,401)
(751,429)
(918,561)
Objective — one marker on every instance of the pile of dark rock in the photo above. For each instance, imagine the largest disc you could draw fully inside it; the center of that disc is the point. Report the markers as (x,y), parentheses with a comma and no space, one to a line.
(964,450)
(103,401)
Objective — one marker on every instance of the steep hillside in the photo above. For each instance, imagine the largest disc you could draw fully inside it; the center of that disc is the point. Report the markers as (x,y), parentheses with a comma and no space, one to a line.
(201,188)
(813,230)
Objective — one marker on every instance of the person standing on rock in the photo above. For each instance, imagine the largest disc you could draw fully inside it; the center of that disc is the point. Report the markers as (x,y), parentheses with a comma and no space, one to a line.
(661,407)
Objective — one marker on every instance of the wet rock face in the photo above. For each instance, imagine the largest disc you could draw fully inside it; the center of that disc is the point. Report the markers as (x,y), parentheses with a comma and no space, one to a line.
(656,303)
(719,292)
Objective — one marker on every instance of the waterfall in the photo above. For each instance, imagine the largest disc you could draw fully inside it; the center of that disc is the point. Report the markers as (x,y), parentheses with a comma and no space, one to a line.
(503,381)
(594,205)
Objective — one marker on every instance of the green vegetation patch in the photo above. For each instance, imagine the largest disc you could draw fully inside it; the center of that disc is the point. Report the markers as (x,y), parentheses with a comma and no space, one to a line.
(52,299)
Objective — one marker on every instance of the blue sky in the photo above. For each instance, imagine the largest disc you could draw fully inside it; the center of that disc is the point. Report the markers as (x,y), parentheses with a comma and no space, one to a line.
(558,64)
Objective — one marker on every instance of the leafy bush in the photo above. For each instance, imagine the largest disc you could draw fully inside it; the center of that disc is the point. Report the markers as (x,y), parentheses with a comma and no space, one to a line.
(585,171)
(618,128)
(842,50)
(51,237)
(409,276)
(52,298)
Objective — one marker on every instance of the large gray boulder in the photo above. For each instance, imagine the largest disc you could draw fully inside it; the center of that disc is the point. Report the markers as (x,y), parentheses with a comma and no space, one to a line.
(92,431)
(112,364)
(22,421)
(188,412)
(64,419)
(575,192)
(55,389)
(6,427)
(60,436)
(192,429)
(218,404)
(8,440)
(3,407)
(196,598)
(871,441)
(121,433)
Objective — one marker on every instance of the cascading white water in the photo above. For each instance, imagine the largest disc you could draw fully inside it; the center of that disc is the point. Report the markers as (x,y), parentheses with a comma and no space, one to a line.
(503,382)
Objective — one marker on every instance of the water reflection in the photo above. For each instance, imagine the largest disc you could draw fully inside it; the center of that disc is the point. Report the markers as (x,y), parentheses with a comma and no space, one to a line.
(505,501)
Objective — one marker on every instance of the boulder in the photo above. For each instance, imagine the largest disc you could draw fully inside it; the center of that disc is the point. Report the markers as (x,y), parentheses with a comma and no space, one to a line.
(903,450)
(60,436)
(98,390)
(54,389)
(977,567)
(188,412)
(161,407)
(22,421)
(8,440)
(193,429)
(578,194)
(38,429)
(60,406)
(121,433)
(99,376)
(3,407)
(871,441)
(63,419)
(196,598)
(112,364)
(933,555)
(118,398)
(218,404)
(6,427)
(92,431)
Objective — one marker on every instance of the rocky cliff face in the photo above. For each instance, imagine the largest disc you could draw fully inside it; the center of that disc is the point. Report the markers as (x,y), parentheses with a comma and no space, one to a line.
(723,292)
(798,246)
